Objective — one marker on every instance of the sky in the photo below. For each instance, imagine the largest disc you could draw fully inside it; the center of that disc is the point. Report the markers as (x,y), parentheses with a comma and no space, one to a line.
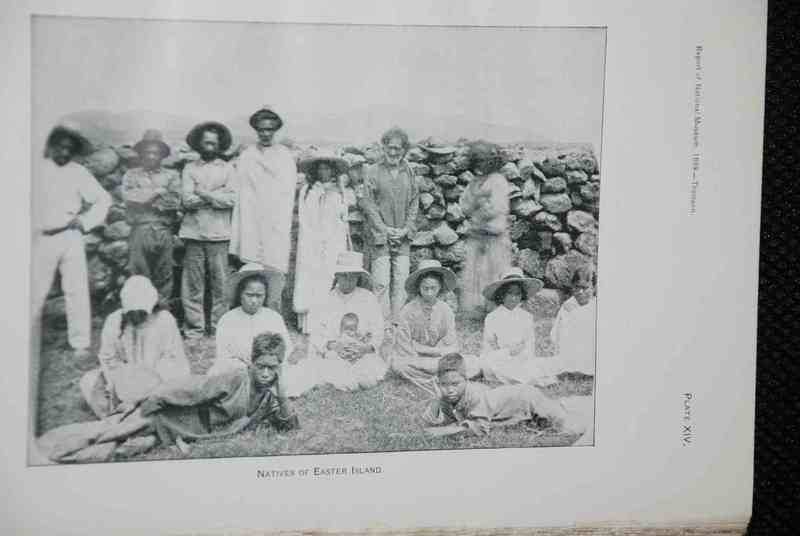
(350,82)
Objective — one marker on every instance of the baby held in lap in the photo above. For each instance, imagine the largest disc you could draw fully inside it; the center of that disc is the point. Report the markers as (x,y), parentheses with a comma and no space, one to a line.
(349,339)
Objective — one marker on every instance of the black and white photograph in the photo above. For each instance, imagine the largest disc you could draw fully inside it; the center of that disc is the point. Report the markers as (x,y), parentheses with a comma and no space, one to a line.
(262,239)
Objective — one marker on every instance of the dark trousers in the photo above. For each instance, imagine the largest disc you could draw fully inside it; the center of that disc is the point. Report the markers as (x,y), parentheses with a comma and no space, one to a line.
(199,255)
(150,254)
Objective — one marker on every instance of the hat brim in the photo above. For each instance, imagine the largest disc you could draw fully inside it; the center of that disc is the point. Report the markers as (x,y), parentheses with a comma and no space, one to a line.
(365,280)
(339,164)
(194,136)
(438,150)
(531,285)
(163,147)
(448,277)
(84,146)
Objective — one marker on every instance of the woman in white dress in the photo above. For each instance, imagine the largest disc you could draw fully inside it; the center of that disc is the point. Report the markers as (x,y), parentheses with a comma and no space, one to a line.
(508,353)
(574,332)
(322,233)
(346,337)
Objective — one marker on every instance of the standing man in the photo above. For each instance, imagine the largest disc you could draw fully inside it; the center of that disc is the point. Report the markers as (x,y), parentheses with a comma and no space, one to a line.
(152,197)
(262,217)
(208,193)
(63,190)
(390,202)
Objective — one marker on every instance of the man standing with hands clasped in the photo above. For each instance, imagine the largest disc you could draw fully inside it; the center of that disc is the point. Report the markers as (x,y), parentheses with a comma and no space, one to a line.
(390,202)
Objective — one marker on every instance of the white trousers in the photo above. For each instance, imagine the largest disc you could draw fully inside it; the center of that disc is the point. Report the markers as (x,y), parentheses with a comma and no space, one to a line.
(63,252)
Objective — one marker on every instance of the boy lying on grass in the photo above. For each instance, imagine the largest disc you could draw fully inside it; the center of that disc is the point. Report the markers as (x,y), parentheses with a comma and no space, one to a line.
(198,407)
(475,407)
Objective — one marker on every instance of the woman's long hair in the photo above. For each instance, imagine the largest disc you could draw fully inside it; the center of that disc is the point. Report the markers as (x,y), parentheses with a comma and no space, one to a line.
(237,296)
(138,316)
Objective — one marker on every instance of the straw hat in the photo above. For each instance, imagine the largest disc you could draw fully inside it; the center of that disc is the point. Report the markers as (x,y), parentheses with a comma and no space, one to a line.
(338,164)
(513,275)
(436,147)
(195,135)
(138,294)
(428,266)
(82,144)
(352,262)
(152,137)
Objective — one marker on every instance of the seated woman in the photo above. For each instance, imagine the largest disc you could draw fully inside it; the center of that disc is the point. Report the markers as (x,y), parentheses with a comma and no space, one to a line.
(574,332)
(508,354)
(346,336)
(192,408)
(139,343)
(247,318)
(470,406)
(426,328)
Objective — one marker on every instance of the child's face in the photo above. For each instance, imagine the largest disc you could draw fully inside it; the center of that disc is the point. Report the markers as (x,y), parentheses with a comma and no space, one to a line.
(513,296)
(350,326)
(253,296)
(265,369)
(583,292)
(452,385)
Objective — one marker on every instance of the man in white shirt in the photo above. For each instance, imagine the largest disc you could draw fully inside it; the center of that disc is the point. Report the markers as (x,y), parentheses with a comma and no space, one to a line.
(68,203)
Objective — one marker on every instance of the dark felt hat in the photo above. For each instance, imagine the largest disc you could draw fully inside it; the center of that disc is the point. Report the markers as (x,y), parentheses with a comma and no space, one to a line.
(152,137)
(196,134)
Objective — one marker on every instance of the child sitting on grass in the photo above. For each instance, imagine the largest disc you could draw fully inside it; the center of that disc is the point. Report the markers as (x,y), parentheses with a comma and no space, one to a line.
(574,330)
(348,334)
(475,407)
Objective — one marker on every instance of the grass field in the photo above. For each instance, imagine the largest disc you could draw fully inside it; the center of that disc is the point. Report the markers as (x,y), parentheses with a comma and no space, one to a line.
(384,418)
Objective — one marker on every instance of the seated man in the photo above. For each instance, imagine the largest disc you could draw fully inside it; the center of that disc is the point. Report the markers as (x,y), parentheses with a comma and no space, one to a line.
(464,405)
(197,407)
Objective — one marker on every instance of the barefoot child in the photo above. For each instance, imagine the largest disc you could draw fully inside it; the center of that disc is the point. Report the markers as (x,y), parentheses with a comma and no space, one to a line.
(476,407)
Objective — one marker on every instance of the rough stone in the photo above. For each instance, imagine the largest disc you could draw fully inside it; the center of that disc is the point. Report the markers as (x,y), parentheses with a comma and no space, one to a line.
(440,169)
(576,199)
(531,263)
(91,241)
(583,162)
(465,177)
(590,192)
(595,178)
(415,154)
(556,185)
(113,179)
(451,255)
(425,200)
(511,171)
(100,276)
(559,270)
(423,238)
(545,241)
(445,235)
(556,203)
(576,176)
(553,167)
(524,208)
(454,213)
(454,194)
(463,228)
(546,221)
(128,156)
(418,254)
(519,228)
(446,181)
(115,213)
(563,242)
(436,212)
(532,189)
(587,243)
(580,221)
(117,230)
(459,164)
(420,169)
(115,252)
(425,184)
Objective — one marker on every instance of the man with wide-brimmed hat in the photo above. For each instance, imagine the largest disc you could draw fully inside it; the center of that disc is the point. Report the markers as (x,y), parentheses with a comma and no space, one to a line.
(390,202)
(262,218)
(209,195)
(62,189)
(152,197)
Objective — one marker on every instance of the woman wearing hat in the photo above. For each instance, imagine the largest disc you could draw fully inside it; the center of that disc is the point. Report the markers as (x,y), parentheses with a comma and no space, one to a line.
(488,245)
(426,328)
(508,353)
(346,335)
(152,196)
(322,232)
(140,345)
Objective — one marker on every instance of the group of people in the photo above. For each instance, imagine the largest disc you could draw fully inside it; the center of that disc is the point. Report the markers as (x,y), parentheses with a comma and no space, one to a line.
(360,323)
